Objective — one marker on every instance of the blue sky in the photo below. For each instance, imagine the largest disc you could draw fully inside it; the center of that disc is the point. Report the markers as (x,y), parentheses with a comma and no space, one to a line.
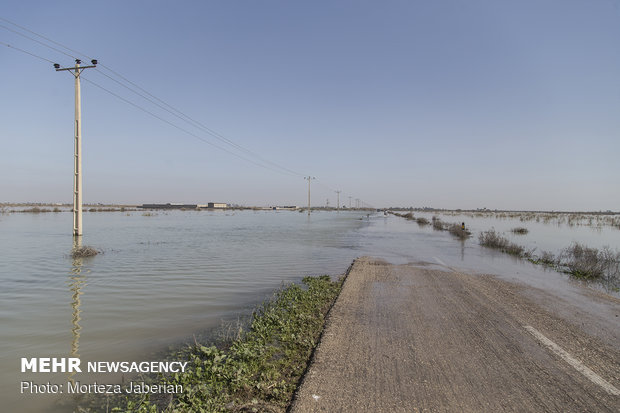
(452,104)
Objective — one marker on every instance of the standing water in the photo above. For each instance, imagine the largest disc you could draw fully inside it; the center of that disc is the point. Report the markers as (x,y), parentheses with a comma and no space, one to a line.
(164,276)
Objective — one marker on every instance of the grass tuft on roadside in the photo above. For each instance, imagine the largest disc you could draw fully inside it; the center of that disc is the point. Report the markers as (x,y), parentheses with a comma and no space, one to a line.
(260,370)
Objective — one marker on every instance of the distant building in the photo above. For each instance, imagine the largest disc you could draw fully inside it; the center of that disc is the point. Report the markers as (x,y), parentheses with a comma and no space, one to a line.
(173,205)
(168,206)
(287,207)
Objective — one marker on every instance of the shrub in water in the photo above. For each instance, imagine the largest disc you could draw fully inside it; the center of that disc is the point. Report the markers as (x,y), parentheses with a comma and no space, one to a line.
(82,252)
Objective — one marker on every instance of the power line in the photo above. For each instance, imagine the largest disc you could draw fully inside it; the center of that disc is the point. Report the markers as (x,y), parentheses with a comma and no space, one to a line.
(43,37)
(199,126)
(35,40)
(177,126)
(24,51)
(162,105)
(179,114)
(156,116)
(172,110)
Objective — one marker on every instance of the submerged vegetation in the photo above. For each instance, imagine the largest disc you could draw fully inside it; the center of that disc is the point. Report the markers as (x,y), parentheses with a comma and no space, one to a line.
(601,265)
(458,230)
(437,224)
(590,219)
(577,260)
(40,208)
(545,258)
(35,210)
(408,216)
(492,239)
(591,263)
(260,368)
(83,252)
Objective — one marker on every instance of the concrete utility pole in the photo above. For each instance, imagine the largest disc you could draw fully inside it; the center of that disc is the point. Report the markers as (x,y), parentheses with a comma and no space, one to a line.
(338,201)
(77,153)
(309,178)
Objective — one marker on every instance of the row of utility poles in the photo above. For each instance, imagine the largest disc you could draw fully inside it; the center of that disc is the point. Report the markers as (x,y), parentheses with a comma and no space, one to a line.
(310,178)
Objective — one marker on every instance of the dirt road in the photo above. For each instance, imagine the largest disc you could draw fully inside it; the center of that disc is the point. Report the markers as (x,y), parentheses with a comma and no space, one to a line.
(412,338)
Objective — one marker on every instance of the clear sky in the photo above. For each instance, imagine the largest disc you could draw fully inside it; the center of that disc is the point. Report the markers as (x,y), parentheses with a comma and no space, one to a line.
(447,103)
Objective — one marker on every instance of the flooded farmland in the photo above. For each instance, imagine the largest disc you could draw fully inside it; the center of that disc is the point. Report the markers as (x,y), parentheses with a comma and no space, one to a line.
(164,277)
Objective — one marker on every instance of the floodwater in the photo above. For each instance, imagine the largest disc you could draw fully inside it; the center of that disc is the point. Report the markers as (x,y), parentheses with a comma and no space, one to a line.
(552,236)
(163,278)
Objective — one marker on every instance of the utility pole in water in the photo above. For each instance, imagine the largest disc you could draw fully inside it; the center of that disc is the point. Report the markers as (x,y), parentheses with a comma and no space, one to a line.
(338,201)
(309,178)
(77,153)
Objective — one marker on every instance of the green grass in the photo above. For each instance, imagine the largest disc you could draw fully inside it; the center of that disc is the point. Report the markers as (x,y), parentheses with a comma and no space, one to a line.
(262,367)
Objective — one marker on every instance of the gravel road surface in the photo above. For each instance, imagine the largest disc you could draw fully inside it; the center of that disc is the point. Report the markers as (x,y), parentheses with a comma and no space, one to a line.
(413,338)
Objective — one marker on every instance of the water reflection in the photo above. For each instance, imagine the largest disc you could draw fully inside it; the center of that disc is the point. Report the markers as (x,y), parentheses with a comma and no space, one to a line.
(77,280)
(184,271)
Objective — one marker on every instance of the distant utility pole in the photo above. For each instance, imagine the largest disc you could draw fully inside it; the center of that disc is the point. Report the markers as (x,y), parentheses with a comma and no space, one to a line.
(309,178)
(357,203)
(350,202)
(338,201)
(77,153)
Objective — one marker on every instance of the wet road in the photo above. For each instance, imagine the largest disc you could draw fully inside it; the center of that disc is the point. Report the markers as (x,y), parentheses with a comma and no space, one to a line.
(406,338)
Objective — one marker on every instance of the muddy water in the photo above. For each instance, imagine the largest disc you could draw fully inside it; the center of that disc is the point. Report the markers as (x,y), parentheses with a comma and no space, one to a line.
(403,241)
(160,279)
(164,277)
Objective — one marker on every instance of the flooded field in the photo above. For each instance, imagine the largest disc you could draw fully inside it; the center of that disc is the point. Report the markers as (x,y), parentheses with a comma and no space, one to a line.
(545,231)
(164,277)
